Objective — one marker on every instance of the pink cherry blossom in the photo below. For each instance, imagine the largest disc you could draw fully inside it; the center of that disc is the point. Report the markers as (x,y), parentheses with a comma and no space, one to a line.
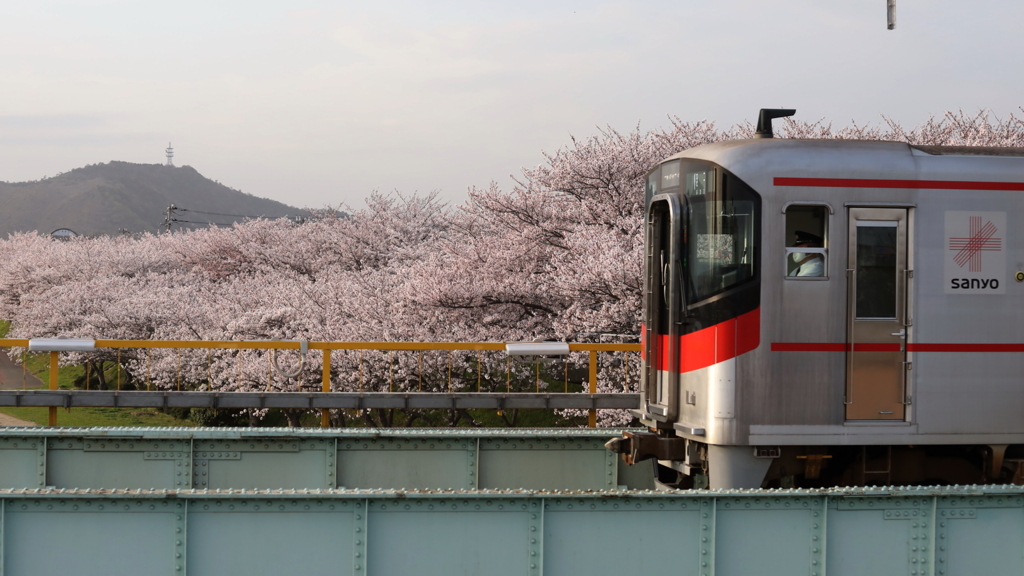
(559,255)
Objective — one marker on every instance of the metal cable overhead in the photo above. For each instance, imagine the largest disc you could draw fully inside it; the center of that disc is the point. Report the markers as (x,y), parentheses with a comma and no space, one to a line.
(217,213)
(177,220)
(169,218)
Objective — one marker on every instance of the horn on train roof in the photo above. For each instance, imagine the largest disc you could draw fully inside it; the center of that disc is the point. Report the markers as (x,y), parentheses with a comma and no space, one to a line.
(764,120)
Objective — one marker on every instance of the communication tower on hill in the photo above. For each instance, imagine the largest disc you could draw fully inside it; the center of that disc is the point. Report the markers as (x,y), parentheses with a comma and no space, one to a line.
(170,154)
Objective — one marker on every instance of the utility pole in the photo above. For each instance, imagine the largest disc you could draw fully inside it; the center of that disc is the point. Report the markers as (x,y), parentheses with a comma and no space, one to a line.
(890,11)
(169,216)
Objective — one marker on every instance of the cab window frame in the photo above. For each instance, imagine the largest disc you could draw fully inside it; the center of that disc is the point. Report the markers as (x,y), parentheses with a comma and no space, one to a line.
(719,187)
(827,213)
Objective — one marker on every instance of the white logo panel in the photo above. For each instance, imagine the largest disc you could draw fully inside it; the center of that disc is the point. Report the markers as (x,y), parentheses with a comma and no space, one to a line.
(975,252)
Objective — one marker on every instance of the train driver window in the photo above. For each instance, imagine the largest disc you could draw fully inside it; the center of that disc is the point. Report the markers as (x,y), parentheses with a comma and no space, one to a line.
(807,242)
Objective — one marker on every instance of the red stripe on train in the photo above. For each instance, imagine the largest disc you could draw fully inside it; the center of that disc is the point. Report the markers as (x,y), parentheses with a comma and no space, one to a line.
(833,347)
(901,184)
(965,347)
(809,347)
(714,344)
(880,347)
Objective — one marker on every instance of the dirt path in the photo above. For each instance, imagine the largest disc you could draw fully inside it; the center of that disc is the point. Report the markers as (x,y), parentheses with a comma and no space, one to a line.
(6,420)
(11,375)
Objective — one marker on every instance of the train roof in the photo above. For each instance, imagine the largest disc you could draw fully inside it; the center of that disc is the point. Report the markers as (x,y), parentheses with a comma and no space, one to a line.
(758,161)
(969,150)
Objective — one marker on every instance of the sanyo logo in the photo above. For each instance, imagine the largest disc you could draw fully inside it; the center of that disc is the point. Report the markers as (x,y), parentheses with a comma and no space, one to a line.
(975,284)
(975,260)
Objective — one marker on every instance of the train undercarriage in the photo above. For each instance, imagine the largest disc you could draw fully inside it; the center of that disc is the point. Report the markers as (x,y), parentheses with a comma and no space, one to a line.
(681,463)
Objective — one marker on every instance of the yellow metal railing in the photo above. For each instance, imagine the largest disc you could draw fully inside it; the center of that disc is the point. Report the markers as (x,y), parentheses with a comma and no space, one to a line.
(326,347)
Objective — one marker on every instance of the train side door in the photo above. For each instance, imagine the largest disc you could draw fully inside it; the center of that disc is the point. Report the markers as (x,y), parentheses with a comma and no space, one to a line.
(876,314)
(660,387)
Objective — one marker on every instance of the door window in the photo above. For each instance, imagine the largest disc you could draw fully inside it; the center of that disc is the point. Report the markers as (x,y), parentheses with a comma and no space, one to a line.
(876,269)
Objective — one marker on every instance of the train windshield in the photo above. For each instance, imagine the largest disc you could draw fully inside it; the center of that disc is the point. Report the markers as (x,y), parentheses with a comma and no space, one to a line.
(721,232)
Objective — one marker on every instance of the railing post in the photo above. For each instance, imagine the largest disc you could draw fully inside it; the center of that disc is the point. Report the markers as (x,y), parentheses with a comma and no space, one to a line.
(708,531)
(536,538)
(53,386)
(181,538)
(325,386)
(592,416)
(359,537)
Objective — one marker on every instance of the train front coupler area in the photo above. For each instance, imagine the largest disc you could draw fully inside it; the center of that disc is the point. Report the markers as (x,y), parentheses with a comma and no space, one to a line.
(677,461)
(639,446)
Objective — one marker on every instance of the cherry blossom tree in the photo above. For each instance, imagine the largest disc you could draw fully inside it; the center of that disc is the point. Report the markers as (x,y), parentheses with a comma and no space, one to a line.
(559,255)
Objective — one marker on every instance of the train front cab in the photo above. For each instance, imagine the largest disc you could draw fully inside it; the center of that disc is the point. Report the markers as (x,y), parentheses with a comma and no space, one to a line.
(702,311)
(830,374)
(703,269)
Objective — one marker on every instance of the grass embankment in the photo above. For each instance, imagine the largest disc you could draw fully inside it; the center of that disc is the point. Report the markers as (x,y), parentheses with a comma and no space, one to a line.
(87,416)
(39,366)
(98,417)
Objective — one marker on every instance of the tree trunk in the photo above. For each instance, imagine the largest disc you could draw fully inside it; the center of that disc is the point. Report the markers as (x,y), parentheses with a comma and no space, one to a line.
(293,417)
(126,378)
(368,418)
(511,423)
(98,368)
(413,415)
(338,419)
(465,415)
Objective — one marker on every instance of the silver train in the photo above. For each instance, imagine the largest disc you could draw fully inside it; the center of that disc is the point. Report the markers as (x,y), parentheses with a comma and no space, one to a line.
(833,313)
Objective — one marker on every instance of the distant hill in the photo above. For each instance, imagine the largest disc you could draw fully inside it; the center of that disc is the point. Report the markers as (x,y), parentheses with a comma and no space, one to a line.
(105,198)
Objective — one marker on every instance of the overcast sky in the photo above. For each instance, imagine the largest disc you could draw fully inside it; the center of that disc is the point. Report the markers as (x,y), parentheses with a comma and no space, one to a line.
(318,103)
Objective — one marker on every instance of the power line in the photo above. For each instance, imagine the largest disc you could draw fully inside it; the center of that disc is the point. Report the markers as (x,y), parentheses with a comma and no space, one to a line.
(200,222)
(218,213)
(172,210)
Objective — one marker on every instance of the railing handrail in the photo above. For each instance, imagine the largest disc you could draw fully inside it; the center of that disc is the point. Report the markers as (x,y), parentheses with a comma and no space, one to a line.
(327,345)
(591,348)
